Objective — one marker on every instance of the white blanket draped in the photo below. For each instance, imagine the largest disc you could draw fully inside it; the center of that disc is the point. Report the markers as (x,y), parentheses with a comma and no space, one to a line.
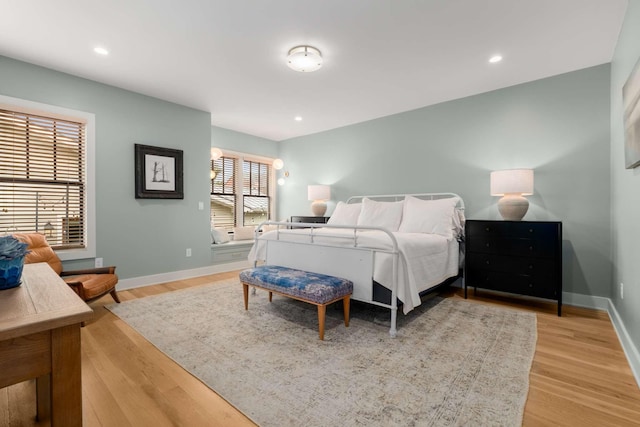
(425,260)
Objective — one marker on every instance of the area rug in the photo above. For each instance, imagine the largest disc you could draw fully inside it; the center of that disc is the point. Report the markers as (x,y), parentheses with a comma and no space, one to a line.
(453,363)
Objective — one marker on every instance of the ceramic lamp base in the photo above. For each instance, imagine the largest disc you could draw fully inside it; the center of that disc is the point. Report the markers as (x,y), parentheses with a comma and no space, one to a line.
(318,208)
(513,207)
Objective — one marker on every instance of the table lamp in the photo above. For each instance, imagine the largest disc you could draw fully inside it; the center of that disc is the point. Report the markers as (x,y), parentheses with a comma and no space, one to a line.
(512,184)
(319,194)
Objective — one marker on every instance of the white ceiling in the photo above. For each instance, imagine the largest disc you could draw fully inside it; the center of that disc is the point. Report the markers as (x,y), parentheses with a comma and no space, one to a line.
(381,57)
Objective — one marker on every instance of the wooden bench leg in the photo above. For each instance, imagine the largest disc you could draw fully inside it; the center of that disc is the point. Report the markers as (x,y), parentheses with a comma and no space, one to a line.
(270,296)
(345,307)
(245,289)
(321,314)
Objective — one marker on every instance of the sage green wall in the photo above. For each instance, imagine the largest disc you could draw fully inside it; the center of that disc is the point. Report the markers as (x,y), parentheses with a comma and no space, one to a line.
(625,184)
(243,143)
(558,126)
(140,237)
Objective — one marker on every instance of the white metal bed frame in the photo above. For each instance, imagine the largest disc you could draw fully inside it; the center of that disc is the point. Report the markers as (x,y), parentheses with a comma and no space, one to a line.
(352,262)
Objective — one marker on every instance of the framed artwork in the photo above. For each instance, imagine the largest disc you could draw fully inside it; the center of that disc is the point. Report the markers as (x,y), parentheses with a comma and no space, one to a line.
(158,173)
(631,101)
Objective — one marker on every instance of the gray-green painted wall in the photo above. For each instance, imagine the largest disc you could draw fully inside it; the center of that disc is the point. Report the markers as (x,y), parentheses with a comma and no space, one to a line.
(140,237)
(558,126)
(226,139)
(625,184)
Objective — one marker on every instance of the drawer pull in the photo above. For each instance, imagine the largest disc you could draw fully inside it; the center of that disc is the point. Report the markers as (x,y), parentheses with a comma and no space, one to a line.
(530,248)
(488,245)
(530,266)
(531,230)
(487,262)
(487,229)
(531,285)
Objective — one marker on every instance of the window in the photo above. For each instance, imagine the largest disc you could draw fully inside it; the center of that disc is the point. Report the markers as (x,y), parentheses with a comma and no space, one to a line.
(44,180)
(241,191)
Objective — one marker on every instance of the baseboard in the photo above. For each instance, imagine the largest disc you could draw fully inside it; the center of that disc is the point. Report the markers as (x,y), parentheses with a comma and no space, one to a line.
(602,303)
(137,282)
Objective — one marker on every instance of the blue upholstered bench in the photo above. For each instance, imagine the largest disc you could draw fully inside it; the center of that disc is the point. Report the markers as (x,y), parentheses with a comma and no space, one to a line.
(313,288)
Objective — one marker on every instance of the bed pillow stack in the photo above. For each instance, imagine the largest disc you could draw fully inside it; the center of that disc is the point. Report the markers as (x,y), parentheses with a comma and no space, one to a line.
(381,214)
(429,216)
(345,214)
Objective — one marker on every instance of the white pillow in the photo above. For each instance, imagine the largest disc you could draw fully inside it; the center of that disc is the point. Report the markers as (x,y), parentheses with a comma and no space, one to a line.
(345,214)
(244,233)
(219,235)
(381,214)
(428,216)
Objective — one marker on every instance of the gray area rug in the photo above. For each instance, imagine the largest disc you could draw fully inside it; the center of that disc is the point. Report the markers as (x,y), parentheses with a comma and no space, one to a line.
(453,363)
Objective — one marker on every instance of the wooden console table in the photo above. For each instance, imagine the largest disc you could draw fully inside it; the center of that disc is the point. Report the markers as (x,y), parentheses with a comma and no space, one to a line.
(40,338)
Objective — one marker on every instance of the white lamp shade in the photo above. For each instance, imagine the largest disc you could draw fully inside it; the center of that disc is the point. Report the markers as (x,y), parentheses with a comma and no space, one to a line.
(512,181)
(319,192)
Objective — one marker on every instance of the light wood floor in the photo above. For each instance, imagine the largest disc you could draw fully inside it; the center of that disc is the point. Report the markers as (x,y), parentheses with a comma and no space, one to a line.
(579,377)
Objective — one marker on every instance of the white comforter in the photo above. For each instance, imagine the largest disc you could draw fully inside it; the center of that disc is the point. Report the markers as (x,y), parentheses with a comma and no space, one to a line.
(425,259)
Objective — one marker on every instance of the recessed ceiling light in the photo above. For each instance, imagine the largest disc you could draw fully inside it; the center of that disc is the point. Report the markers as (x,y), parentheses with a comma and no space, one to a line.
(495,58)
(297,118)
(304,59)
(101,51)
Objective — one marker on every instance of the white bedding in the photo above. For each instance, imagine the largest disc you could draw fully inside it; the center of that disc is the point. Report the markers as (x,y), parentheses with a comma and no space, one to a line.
(425,259)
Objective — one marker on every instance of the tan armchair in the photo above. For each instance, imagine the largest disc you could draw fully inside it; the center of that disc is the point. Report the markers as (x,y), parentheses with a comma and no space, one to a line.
(89,284)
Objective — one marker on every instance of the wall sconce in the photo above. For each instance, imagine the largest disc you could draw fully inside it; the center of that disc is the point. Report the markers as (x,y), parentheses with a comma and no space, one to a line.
(319,194)
(282,180)
(512,184)
(278,164)
(216,153)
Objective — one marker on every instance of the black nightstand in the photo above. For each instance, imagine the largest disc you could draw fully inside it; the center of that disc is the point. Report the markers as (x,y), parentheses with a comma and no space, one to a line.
(310,219)
(521,257)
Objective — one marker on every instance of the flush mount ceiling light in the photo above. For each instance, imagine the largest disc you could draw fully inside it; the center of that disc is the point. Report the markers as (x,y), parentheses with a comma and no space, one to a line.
(304,59)
(101,51)
(495,58)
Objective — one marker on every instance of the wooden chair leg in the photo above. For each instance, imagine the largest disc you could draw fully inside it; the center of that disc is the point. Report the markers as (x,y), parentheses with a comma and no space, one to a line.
(321,315)
(245,290)
(114,295)
(345,306)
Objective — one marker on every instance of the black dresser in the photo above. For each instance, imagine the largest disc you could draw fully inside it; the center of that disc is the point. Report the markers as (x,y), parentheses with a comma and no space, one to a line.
(310,219)
(521,257)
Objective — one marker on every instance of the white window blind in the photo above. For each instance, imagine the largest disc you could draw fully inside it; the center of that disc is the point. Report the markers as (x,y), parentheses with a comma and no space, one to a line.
(223,192)
(43,178)
(241,191)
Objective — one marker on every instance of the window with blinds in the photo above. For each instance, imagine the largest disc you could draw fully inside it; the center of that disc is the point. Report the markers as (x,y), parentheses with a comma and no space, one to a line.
(223,192)
(43,177)
(240,192)
(255,190)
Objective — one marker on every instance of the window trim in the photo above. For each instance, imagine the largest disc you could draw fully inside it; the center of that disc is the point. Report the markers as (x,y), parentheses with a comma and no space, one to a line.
(240,157)
(56,112)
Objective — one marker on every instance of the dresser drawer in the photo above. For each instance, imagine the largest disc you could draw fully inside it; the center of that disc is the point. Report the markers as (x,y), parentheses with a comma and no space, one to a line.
(523,284)
(519,247)
(536,267)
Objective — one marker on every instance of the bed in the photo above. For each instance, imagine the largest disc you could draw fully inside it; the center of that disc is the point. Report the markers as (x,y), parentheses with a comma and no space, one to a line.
(394,248)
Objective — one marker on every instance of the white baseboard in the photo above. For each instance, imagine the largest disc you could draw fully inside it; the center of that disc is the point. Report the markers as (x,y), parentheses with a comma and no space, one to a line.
(137,282)
(602,303)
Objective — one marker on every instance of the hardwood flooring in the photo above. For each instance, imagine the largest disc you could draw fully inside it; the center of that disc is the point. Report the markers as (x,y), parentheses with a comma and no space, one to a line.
(579,377)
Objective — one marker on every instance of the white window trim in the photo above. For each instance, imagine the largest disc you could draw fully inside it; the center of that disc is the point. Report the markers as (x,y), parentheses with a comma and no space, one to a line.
(89,119)
(240,157)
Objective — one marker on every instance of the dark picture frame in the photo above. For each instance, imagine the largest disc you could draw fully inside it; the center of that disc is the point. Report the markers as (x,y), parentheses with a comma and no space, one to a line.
(631,101)
(159,172)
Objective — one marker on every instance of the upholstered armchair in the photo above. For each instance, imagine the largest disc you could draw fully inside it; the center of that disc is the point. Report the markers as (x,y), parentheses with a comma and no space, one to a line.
(89,284)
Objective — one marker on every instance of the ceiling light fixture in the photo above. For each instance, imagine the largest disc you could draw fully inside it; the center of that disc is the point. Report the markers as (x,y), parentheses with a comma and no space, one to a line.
(297,118)
(304,59)
(101,51)
(495,58)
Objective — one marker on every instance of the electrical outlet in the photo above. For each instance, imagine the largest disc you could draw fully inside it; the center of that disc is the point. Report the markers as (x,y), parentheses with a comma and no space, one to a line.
(621,290)
(200,206)
(188,252)
(98,262)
